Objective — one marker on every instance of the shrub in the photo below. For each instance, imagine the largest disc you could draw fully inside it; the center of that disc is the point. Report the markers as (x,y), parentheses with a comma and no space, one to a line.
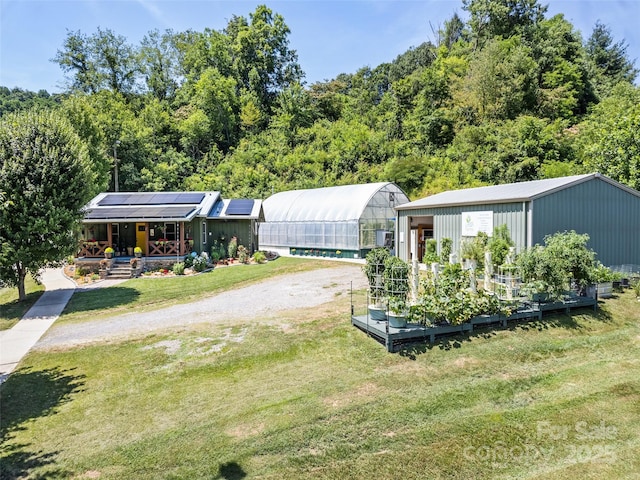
(446,246)
(431,252)
(396,281)
(374,270)
(243,254)
(233,247)
(188,261)
(178,268)
(215,255)
(499,245)
(199,263)
(473,249)
(108,250)
(259,257)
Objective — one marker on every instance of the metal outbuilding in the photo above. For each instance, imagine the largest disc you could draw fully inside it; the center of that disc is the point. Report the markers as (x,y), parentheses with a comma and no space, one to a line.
(349,219)
(593,203)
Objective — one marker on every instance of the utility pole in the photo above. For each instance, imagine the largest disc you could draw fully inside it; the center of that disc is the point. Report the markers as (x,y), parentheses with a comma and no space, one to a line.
(115,160)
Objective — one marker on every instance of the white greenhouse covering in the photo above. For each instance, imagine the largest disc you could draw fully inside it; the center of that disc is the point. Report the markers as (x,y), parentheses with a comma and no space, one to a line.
(334,218)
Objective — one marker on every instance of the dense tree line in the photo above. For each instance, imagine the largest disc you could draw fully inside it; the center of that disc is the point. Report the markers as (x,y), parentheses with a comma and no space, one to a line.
(509,95)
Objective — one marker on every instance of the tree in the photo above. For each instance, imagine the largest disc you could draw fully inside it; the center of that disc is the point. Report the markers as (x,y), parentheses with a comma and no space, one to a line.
(44,174)
(609,60)
(502,18)
(609,140)
(103,60)
(260,54)
(159,63)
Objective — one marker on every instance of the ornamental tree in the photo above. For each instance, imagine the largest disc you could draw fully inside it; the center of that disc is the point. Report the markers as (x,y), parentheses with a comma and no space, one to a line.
(45,178)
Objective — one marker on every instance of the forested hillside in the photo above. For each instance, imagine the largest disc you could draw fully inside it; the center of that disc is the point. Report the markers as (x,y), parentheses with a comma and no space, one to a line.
(511,95)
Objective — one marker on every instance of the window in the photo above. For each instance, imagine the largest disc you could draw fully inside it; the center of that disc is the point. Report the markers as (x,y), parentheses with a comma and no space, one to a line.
(204,232)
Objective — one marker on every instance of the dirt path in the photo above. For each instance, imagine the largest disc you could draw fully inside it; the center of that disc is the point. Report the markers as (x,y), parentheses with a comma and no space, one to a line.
(259,302)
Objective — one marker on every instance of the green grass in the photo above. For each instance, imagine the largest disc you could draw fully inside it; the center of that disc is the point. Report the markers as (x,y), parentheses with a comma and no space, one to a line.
(312,397)
(148,293)
(11,310)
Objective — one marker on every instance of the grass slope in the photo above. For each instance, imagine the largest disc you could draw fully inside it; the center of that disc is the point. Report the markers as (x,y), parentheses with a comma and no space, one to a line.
(313,397)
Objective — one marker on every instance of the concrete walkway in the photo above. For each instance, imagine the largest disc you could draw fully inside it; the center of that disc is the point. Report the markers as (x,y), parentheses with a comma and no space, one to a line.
(17,341)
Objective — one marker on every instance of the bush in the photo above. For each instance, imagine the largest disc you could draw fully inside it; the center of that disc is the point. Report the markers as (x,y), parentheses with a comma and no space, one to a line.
(243,254)
(431,252)
(200,263)
(233,247)
(178,268)
(215,255)
(446,246)
(188,261)
(259,257)
(499,245)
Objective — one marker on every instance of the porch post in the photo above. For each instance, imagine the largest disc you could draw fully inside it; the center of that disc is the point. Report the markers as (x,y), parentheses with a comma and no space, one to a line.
(145,250)
(182,249)
(109,234)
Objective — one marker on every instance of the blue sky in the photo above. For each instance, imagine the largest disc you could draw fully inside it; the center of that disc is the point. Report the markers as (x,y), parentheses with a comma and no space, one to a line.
(331,37)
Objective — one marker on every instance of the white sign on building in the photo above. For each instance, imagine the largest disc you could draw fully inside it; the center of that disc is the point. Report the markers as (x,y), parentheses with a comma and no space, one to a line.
(474,222)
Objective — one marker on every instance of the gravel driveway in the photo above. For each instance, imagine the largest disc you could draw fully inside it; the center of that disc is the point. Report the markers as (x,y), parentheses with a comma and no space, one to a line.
(261,301)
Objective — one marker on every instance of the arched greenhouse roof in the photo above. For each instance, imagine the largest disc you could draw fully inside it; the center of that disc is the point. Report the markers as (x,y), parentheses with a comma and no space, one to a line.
(329,204)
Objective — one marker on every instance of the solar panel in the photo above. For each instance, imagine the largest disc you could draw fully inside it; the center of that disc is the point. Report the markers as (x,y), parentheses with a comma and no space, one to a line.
(240,207)
(157,198)
(216,210)
(157,212)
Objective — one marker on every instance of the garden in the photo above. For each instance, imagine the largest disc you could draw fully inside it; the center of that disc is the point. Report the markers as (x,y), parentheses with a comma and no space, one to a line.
(490,284)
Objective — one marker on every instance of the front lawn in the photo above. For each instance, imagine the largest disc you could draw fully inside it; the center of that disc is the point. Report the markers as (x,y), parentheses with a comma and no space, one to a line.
(10,309)
(310,396)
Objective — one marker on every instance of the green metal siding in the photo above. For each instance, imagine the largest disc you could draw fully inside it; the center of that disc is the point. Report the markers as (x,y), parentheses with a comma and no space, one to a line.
(447,223)
(610,215)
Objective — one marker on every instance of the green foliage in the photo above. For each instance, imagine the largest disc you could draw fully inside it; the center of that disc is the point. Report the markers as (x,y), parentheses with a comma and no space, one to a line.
(499,244)
(259,257)
(446,247)
(243,254)
(474,248)
(396,282)
(610,138)
(431,252)
(232,249)
(200,263)
(498,99)
(45,178)
(449,298)
(375,264)
(564,257)
(178,268)
(188,261)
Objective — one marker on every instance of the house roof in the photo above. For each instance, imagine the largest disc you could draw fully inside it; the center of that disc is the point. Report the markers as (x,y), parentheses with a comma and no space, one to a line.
(149,206)
(341,203)
(507,193)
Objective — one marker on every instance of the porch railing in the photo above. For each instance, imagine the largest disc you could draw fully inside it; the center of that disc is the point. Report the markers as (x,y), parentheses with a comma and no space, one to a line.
(161,248)
(92,248)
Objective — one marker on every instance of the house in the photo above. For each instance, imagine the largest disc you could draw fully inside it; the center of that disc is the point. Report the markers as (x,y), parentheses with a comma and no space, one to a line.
(165,224)
(349,219)
(593,203)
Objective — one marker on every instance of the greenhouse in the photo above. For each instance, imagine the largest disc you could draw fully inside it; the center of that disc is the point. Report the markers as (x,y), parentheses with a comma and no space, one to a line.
(344,221)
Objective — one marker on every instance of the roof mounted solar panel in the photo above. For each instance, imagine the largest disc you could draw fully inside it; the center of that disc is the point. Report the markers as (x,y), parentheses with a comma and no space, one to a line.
(158,198)
(240,207)
(216,210)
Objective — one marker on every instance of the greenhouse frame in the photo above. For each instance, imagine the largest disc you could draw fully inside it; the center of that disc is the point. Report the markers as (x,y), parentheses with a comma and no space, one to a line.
(344,221)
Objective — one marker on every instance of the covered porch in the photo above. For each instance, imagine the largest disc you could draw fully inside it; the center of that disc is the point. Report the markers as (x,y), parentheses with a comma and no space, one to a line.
(156,224)
(155,239)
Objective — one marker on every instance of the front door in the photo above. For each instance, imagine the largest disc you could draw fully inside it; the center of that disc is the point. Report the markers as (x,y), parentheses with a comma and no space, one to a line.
(141,237)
